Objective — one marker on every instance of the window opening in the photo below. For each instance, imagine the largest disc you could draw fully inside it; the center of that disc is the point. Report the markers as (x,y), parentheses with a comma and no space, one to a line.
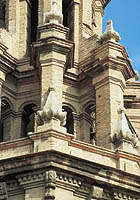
(34,19)
(69,121)
(91,111)
(28,118)
(5,117)
(2,15)
(68,16)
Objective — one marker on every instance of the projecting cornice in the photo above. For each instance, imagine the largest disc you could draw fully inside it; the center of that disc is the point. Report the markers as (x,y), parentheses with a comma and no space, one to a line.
(105,2)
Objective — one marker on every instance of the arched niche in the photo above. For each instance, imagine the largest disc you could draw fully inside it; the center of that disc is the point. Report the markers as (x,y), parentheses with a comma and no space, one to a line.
(6,120)
(69,121)
(90,109)
(28,119)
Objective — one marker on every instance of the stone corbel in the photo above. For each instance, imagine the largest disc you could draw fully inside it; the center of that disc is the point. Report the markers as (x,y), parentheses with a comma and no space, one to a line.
(3,191)
(50,179)
(96,193)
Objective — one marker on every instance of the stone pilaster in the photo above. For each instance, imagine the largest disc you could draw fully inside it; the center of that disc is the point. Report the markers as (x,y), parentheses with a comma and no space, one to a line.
(109,82)
(52,49)
(85,124)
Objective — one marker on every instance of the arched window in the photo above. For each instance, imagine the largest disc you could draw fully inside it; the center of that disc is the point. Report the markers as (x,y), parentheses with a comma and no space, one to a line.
(2,14)
(68,17)
(28,117)
(34,19)
(5,121)
(69,121)
(90,110)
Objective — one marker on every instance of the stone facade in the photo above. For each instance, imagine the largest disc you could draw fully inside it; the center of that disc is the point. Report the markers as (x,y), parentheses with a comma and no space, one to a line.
(69,104)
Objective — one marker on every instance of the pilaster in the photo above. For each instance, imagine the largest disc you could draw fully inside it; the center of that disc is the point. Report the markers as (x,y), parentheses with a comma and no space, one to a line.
(109,81)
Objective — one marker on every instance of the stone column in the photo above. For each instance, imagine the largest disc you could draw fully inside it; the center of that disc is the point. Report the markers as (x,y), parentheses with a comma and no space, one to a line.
(76,123)
(85,124)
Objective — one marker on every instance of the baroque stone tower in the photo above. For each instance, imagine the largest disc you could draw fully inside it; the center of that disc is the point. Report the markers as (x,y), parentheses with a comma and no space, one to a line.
(69,104)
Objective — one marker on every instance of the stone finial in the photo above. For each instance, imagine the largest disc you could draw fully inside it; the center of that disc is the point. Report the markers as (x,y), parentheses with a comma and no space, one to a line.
(54,16)
(51,110)
(110,34)
(124,132)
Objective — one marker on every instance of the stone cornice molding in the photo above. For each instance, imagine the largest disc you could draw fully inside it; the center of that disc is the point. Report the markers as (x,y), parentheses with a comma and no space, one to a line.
(31,180)
(119,195)
(112,63)
(7,62)
(107,80)
(105,2)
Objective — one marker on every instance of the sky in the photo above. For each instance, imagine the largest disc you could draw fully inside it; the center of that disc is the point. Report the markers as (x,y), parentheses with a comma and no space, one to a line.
(125,15)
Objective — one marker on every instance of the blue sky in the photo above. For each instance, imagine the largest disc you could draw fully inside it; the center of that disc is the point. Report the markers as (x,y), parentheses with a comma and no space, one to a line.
(125,15)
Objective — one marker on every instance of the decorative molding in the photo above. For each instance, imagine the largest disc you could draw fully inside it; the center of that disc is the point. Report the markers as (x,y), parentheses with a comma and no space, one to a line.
(120,196)
(31,180)
(50,179)
(67,179)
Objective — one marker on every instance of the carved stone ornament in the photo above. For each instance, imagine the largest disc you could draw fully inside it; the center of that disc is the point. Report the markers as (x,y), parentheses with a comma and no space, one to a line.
(51,110)
(124,132)
(3,191)
(50,186)
(54,16)
(97,192)
(110,34)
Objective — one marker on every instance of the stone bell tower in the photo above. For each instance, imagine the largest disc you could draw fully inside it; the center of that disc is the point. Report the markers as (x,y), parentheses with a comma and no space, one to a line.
(69,104)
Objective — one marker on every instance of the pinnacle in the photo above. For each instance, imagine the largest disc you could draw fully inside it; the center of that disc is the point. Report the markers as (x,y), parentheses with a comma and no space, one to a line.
(110,33)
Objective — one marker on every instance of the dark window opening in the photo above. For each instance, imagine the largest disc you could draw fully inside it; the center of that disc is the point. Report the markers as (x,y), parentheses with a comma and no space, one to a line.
(68,16)
(69,121)
(28,119)
(65,14)
(5,123)
(34,19)
(1,132)
(91,111)
(2,15)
